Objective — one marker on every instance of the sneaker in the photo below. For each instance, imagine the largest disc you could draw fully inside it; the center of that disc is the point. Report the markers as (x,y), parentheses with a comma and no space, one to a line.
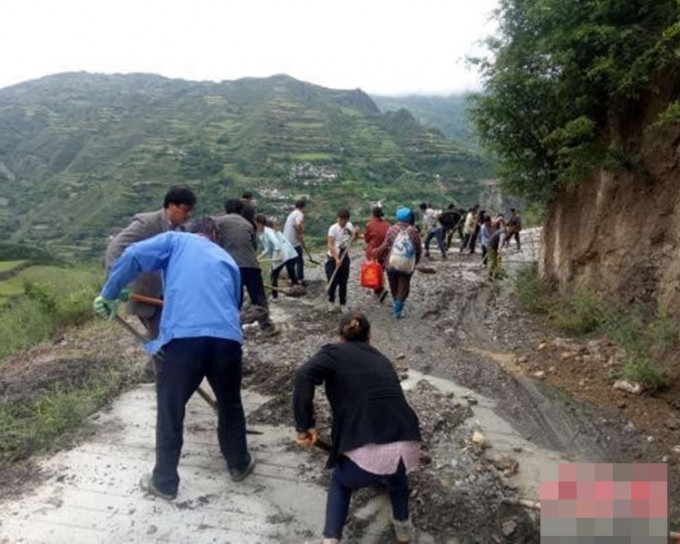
(402,530)
(332,307)
(383,296)
(273,300)
(343,309)
(237,476)
(147,485)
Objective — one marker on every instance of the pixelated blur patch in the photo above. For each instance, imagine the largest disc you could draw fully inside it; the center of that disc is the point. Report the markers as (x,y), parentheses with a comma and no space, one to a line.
(622,503)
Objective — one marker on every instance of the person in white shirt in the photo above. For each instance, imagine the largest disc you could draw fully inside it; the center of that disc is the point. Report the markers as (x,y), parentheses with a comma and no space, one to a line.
(470,230)
(337,262)
(276,247)
(294,232)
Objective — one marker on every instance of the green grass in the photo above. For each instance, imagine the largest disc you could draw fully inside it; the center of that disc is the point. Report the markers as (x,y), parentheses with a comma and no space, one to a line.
(6,266)
(311,157)
(645,337)
(30,426)
(40,300)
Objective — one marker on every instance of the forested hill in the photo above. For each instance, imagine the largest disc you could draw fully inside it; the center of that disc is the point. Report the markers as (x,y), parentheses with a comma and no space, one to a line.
(446,113)
(80,153)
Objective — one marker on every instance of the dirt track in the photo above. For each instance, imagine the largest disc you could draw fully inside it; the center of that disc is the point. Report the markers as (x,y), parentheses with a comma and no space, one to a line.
(456,351)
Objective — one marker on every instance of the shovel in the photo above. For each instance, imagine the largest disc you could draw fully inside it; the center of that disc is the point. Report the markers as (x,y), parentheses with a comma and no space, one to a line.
(202,392)
(323,295)
(288,292)
(309,255)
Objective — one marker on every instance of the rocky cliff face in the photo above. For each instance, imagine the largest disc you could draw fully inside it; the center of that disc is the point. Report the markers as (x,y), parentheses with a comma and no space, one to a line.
(619,233)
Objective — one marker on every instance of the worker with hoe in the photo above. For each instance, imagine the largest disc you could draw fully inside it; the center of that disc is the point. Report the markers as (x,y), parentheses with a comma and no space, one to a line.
(178,204)
(375,433)
(200,336)
(237,237)
(294,231)
(340,236)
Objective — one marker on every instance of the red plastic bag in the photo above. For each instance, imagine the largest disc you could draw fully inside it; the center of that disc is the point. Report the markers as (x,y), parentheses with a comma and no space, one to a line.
(371,275)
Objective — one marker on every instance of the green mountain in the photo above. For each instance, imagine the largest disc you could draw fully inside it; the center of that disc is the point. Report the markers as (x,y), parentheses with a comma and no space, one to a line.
(80,153)
(446,113)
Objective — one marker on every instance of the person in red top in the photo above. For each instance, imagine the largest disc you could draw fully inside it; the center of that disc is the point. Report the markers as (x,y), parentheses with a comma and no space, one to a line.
(375,232)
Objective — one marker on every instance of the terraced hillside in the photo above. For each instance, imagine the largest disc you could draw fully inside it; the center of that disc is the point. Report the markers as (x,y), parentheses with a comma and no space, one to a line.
(80,153)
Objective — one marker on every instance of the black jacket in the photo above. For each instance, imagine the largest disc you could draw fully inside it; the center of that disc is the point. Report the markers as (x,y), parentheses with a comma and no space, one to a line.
(366,399)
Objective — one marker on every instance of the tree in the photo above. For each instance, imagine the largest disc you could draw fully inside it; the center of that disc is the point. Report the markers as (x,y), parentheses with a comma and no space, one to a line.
(560,75)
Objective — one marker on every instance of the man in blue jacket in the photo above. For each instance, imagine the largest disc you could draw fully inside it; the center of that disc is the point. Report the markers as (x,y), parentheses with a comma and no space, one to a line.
(200,336)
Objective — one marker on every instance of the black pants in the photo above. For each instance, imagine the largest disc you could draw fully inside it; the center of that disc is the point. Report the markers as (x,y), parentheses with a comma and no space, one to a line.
(299,264)
(340,279)
(438,234)
(274,278)
(186,362)
(348,477)
(251,280)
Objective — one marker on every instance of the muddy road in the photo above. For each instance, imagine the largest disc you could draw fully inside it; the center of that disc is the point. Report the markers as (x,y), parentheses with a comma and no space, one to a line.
(456,352)
(489,429)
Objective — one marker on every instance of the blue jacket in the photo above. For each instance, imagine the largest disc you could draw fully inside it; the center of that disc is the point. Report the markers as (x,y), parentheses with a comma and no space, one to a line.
(201,285)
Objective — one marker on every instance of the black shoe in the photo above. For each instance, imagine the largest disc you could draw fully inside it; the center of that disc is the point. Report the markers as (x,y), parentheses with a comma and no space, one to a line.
(237,476)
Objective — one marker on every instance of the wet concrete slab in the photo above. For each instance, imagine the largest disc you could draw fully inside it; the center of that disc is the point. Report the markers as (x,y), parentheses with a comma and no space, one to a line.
(92,493)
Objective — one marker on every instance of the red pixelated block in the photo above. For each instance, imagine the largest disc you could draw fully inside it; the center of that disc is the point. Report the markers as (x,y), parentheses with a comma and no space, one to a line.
(604,491)
(549,491)
(639,491)
(567,491)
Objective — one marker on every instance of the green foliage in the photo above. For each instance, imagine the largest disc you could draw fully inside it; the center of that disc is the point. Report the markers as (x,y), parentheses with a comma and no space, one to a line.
(670,116)
(29,426)
(644,338)
(532,292)
(89,151)
(53,298)
(445,113)
(559,71)
(10,252)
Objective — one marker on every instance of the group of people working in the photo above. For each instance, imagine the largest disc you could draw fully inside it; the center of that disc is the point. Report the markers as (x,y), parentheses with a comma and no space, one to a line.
(199,269)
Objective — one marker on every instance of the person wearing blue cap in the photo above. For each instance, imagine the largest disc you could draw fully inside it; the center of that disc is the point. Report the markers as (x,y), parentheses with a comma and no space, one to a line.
(399,254)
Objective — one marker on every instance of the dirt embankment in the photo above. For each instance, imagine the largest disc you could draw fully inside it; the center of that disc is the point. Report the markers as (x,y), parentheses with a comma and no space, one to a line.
(618,233)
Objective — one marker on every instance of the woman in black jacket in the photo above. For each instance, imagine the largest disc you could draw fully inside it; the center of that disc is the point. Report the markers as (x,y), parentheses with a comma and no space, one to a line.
(375,433)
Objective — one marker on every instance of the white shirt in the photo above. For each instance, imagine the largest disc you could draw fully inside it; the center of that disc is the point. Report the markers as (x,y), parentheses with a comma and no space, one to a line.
(295,219)
(341,236)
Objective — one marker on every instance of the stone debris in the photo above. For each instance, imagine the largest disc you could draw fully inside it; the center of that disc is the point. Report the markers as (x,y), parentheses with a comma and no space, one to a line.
(629,387)
(478,439)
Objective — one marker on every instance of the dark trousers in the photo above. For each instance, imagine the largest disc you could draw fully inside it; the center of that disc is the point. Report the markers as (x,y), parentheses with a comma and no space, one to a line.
(251,280)
(400,285)
(439,235)
(348,477)
(339,281)
(299,264)
(152,326)
(186,362)
(274,278)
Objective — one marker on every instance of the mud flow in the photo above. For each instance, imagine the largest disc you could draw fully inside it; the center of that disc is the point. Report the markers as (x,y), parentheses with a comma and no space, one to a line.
(489,428)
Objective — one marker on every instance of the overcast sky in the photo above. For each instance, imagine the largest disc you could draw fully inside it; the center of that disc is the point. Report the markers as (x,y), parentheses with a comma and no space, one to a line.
(381,46)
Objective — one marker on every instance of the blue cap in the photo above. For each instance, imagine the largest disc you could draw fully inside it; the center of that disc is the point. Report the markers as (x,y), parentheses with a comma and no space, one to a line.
(403,215)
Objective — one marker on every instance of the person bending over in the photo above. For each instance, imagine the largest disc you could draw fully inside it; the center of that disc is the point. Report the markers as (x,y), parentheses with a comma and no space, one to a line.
(375,433)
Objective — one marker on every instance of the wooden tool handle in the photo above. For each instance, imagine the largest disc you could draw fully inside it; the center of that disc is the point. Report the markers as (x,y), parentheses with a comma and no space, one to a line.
(146,300)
